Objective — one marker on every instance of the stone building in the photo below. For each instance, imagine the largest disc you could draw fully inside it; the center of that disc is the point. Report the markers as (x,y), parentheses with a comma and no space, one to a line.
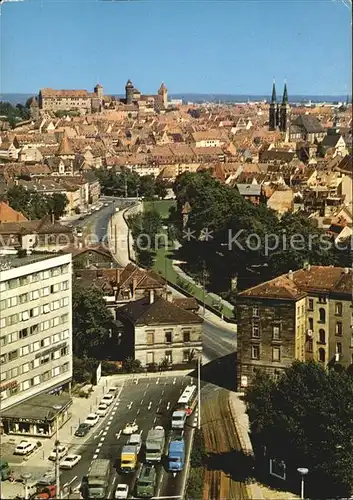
(71,100)
(304,315)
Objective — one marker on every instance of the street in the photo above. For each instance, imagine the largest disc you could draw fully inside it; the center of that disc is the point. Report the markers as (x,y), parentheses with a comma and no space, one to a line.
(150,402)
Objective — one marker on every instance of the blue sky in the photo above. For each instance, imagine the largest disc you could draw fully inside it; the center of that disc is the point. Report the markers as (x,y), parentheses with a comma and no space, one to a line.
(233,46)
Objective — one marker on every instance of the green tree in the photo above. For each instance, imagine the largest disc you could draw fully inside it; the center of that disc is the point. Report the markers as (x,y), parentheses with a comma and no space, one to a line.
(306,418)
(92,323)
(147,186)
(161,188)
(58,203)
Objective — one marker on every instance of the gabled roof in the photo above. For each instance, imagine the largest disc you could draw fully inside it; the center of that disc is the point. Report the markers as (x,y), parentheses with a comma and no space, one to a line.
(159,312)
(309,123)
(65,147)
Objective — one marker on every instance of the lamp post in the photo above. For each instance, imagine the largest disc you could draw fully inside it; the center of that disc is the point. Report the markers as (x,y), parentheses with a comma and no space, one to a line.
(26,476)
(199,357)
(303,472)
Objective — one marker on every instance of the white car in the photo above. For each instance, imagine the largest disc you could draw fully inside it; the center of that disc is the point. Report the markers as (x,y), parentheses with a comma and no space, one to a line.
(122,491)
(130,428)
(25,448)
(92,419)
(108,399)
(62,451)
(113,390)
(70,461)
(102,410)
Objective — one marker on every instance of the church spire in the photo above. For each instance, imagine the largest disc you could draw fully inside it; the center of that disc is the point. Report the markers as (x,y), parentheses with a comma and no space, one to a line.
(274,96)
(285,94)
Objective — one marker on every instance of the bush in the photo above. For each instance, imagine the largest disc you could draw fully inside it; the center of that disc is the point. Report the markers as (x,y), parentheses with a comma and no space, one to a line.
(110,368)
(198,450)
(83,394)
(195,484)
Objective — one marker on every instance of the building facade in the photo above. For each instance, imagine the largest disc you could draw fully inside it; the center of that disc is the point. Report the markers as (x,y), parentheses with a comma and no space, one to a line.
(305,315)
(36,330)
(71,100)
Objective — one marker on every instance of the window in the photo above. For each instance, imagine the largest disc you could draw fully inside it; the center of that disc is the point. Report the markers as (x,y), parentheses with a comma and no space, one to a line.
(13,355)
(55,305)
(36,346)
(65,285)
(34,312)
(169,357)
(46,308)
(322,300)
(45,359)
(322,315)
(338,347)
(24,315)
(322,336)
(13,283)
(35,277)
(56,321)
(45,376)
(24,280)
(65,334)
(25,350)
(45,342)
(65,367)
(2,304)
(34,329)
(276,354)
(150,338)
(256,330)
(65,301)
(338,309)
(64,318)
(12,337)
(55,272)
(3,359)
(339,328)
(2,341)
(25,385)
(168,337)
(150,358)
(56,371)
(12,302)
(25,368)
(322,355)
(276,333)
(36,380)
(45,326)
(45,275)
(14,372)
(34,295)
(12,320)
(23,298)
(3,376)
(56,338)
(310,345)
(255,352)
(186,336)
(2,322)
(64,351)
(310,304)
(45,291)
(311,323)
(255,311)
(23,333)
(186,356)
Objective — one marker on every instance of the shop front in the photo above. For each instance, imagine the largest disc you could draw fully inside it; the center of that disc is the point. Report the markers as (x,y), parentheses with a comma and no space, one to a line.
(39,416)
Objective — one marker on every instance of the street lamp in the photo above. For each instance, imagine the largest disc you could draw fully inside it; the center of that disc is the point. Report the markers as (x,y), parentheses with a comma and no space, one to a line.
(26,476)
(303,472)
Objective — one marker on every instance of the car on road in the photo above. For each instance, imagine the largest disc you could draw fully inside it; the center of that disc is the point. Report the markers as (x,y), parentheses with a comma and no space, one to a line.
(70,461)
(113,390)
(122,491)
(102,410)
(108,399)
(135,440)
(130,428)
(60,452)
(92,419)
(82,430)
(47,479)
(106,204)
(25,448)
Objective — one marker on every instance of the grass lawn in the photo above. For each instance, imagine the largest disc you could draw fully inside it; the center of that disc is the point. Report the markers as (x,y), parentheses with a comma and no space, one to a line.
(160,206)
(163,265)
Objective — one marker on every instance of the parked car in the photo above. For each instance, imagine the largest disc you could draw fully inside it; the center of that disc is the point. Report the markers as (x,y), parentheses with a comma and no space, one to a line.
(108,399)
(135,440)
(70,461)
(130,428)
(60,453)
(113,390)
(122,491)
(92,419)
(48,479)
(25,448)
(82,430)
(102,410)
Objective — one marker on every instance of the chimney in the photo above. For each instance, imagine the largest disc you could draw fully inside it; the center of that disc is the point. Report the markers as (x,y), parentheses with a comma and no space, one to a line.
(290,274)
(151,296)
(169,296)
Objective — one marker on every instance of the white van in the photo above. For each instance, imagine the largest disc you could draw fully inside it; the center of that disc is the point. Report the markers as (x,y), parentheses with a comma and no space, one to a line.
(135,440)
(178,419)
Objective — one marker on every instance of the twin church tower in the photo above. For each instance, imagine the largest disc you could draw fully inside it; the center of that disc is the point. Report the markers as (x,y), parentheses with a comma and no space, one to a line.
(279,113)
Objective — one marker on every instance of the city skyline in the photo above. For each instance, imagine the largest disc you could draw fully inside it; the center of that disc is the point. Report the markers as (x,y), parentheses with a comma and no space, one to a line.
(134,40)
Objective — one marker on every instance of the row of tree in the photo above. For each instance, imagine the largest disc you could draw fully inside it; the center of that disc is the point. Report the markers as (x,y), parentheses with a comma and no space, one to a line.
(228,236)
(305,420)
(14,114)
(34,205)
(130,184)
(145,228)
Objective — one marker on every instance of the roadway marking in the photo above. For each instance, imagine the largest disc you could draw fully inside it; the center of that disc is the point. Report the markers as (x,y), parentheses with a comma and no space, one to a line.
(157,381)
(113,413)
(142,401)
(99,446)
(148,384)
(162,392)
(95,456)
(118,435)
(107,428)
(160,401)
(110,420)
(157,410)
(102,439)
(150,404)
(145,393)
(174,381)
(138,412)
(168,405)
(154,421)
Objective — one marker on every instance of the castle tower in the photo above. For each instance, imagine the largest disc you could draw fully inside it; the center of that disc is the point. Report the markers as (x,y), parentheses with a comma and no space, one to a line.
(34,108)
(163,93)
(272,120)
(284,113)
(129,90)
(98,90)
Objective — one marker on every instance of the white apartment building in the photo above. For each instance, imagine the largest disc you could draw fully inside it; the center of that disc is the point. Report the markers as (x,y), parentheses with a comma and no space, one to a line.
(35,333)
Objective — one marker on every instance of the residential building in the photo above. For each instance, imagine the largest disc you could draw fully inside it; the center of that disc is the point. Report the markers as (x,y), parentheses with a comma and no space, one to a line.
(155,330)
(35,338)
(304,315)
(8,214)
(70,100)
